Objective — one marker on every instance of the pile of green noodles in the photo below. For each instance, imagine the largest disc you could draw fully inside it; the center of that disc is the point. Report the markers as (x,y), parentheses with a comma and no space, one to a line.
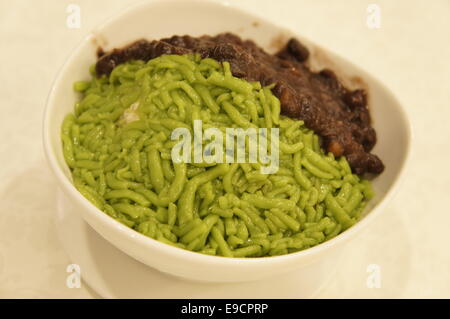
(118,147)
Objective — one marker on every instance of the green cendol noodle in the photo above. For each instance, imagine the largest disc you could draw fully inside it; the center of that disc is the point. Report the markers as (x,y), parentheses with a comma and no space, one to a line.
(118,147)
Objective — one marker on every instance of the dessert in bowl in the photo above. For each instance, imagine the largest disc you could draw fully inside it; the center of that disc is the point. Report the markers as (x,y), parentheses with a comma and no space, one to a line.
(180,255)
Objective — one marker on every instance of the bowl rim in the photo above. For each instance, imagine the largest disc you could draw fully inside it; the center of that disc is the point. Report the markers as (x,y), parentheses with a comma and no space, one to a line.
(70,190)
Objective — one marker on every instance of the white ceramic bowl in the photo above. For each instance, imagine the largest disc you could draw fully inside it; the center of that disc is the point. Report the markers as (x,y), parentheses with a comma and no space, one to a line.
(157,19)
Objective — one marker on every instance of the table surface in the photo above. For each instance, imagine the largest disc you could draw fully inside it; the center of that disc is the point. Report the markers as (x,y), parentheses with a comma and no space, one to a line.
(409,53)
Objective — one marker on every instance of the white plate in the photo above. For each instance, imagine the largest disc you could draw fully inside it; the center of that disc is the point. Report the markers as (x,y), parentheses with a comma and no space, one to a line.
(113,274)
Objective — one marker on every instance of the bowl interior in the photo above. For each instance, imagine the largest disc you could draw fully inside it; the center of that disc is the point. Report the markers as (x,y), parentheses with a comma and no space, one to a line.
(155,20)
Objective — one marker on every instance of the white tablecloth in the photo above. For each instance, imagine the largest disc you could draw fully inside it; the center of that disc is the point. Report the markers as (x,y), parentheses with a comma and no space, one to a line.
(409,53)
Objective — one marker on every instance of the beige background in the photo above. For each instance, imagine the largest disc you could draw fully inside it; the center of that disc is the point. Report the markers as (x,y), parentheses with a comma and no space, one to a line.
(409,53)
